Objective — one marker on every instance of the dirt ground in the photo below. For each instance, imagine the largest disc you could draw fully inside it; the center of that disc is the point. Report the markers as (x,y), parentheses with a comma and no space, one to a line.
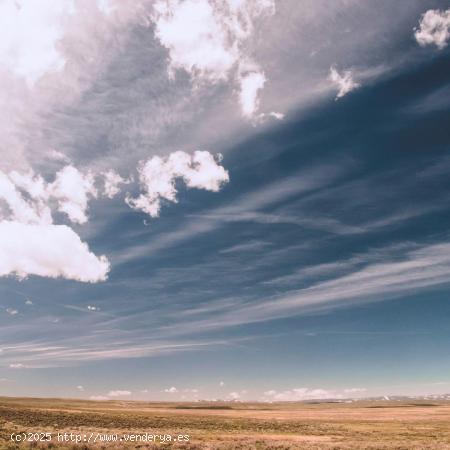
(47,423)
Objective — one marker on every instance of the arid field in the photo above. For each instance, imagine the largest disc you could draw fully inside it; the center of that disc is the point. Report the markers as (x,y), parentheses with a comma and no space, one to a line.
(283,426)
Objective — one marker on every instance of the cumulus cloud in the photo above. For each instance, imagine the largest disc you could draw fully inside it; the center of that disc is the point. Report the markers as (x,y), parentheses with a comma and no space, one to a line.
(48,250)
(171,390)
(158,175)
(30,243)
(98,397)
(93,308)
(15,206)
(112,180)
(54,155)
(72,189)
(434,28)
(28,196)
(33,185)
(118,393)
(17,366)
(276,115)
(11,311)
(234,395)
(31,30)
(264,117)
(196,38)
(251,84)
(51,52)
(80,388)
(343,81)
(300,394)
(207,39)
(354,390)
(35,34)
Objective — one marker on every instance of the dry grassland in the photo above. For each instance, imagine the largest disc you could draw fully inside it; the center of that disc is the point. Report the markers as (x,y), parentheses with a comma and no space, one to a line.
(285,426)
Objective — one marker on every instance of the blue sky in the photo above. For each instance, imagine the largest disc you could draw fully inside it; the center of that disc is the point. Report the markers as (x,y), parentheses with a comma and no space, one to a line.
(297,245)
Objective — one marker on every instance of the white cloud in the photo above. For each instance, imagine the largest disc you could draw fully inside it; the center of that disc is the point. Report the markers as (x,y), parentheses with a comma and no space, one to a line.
(33,245)
(196,38)
(17,207)
(11,311)
(30,244)
(251,84)
(93,308)
(80,388)
(222,384)
(264,117)
(98,397)
(31,30)
(106,6)
(354,390)
(33,185)
(48,250)
(17,366)
(54,155)
(118,393)
(157,178)
(72,189)
(112,180)
(28,302)
(276,115)
(434,28)
(208,38)
(28,196)
(344,81)
(300,394)
(171,390)
(234,395)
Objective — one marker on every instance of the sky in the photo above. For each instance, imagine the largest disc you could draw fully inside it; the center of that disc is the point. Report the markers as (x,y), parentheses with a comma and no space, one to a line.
(224,199)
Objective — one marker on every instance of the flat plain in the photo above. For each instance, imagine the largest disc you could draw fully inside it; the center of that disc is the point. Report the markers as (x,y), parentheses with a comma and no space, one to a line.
(360,424)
